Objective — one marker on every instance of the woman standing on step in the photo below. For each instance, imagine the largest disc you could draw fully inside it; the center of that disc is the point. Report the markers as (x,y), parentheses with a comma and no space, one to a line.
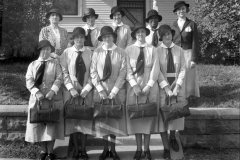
(56,35)
(75,62)
(43,80)
(123,31)
(142,73)
(108,72)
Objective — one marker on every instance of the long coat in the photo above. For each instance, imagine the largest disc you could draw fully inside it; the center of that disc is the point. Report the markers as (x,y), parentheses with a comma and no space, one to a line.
(52,80)
(68,61)
(187,38)
(149,77)
(179,63)
(115,84)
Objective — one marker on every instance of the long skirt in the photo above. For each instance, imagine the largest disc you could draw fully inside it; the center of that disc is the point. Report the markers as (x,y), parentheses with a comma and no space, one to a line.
(143,125)
(191,78)
(39,132)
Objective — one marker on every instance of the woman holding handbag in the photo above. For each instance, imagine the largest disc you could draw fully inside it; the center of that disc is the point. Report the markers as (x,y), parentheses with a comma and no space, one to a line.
(142,73)
(43,80)
(75,62)
(172,65)
(108,72)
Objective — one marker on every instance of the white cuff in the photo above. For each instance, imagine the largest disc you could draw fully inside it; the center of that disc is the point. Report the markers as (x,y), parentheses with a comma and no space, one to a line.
(150,83)
(99,88)
(54,55)
(115,90)
(69,86)
(163,84)
(34,90)
(132,82)
(179,82)
(55,88)
(88,87)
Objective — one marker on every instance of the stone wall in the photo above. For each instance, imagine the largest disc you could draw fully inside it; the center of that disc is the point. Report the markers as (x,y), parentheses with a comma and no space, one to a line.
(205,128)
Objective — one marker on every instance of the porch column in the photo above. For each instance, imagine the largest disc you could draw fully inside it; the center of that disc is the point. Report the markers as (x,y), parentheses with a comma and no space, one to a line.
(155,5)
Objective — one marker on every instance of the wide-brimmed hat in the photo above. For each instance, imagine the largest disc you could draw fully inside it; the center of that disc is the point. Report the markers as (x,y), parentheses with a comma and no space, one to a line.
(89,12)
(180,4)
(164,29)
(106,30)
(54,10)
(45,43)
(138,26)
(153,13)
(77,32)
(116,9)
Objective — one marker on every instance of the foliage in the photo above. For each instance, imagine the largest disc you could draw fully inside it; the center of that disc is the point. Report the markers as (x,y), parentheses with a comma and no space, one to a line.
(218,24)
(22,22)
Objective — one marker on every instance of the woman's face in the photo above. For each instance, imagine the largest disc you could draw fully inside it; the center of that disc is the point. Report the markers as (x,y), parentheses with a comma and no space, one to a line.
(117,17)
(153,21)
(182,11)
(167,37)
(90,20)
(79,40)
(45,52)
(54,18)
(141,34)
(108,39)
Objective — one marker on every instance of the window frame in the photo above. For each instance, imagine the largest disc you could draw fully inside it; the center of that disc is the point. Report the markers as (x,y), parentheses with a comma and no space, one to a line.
(80,10)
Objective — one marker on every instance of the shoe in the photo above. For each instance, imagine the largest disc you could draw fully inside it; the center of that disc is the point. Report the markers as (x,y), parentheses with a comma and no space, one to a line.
(104,155)
(51,156)
(174,144)
(137,155)
(147,155)
(42,156)
(113,154)
(84,155)
(76,155)
(166,154)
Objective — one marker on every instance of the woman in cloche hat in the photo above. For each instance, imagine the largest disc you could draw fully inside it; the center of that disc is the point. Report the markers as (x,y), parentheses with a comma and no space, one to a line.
(123,31)
(75,62)
(142,73)
(43,80)
(108,72)
(56,35)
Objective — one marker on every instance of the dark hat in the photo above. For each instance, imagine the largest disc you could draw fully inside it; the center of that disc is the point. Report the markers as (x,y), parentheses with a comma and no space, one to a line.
(138,26)
(106,30)
(78,31)
(89,12)
(164,29)
(116,9)
(180,4)
(45,43)
(153,13)
(54,10)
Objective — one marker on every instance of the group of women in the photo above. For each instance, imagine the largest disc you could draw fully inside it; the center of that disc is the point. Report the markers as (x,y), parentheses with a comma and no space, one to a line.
(146,65)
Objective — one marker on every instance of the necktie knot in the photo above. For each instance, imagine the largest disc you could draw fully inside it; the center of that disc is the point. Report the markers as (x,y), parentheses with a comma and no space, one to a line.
(89,31)
(79,53)
(116,29)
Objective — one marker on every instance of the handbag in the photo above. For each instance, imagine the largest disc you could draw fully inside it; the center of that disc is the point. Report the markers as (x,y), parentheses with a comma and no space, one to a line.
(174,110)
(49,115)
(142,110)
(73,110)
(108,110)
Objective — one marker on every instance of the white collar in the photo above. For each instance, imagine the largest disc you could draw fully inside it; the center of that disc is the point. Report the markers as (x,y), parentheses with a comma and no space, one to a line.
(75,49)
(149,27)
(182,20)
(115,25)
(142,45)
(87,26)
(40,59)
(164,46)
(112,48)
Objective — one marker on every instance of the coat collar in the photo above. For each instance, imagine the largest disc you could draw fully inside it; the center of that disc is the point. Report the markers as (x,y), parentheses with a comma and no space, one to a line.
(184,26)
(112,48)
(164,46)
(75,49)
(88,27)
(40,59)
(115,25)
(138,45)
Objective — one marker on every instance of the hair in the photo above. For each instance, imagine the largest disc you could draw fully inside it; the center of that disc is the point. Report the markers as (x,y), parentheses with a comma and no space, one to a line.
(172,32)
(187,9)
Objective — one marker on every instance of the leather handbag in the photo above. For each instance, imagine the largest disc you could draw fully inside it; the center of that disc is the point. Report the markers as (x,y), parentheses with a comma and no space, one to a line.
(108,110)
(48,115)
(142,110)
(175,110)
(73,109)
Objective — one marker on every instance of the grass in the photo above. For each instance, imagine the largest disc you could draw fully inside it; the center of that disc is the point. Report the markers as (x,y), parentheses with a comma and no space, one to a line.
(219,85)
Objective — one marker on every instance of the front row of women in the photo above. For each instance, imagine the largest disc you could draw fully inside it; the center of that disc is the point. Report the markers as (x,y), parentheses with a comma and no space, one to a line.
(140,71)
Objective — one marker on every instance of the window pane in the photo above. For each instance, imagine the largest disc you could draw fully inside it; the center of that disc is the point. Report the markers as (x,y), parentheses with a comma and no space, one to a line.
(71,8)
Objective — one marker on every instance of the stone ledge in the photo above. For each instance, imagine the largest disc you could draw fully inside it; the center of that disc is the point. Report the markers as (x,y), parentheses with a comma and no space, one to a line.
(13,110)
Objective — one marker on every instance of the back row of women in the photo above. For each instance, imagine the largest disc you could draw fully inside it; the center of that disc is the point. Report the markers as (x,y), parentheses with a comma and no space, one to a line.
(113,63)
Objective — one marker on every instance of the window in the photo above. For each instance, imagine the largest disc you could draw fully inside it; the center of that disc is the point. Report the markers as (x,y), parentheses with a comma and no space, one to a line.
(74,8)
